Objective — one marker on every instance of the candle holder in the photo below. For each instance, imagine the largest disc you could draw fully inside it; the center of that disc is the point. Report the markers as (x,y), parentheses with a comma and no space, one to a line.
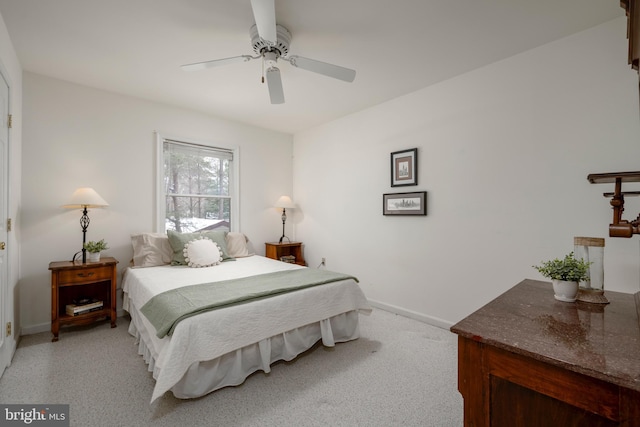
(591,250)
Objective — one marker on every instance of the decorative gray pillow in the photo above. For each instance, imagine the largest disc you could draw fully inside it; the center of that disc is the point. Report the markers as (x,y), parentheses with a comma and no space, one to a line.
(178,240)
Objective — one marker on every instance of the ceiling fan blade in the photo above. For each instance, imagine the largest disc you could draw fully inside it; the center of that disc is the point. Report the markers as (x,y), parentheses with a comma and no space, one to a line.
(274,82)
(330,70)
(264,12)
(215,63)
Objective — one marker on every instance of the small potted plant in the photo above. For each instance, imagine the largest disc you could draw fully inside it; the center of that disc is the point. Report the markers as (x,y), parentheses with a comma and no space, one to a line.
(94,249)
(565,275)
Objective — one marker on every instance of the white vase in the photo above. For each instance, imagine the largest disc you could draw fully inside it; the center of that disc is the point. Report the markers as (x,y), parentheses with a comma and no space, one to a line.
(93,256)
(565,291)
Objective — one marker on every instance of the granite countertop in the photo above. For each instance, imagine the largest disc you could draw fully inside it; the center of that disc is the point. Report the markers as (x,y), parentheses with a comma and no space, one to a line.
(598,340)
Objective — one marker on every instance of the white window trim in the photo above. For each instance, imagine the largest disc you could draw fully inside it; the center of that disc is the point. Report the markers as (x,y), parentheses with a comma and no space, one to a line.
(159,175)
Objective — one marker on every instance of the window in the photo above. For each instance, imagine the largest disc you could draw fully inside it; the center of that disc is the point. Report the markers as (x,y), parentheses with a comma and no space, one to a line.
(197,185)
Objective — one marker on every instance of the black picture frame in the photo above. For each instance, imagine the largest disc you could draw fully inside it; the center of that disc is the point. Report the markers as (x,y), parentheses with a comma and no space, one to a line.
(412,203)
(404,168)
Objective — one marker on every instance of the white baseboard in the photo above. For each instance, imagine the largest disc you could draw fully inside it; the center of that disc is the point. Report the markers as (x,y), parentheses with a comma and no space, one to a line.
(431,320)
(434,321)
(46,327)
(35,329)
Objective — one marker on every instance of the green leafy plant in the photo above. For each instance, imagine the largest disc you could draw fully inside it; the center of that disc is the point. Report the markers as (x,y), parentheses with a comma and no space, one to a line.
(95,247)
(569,269)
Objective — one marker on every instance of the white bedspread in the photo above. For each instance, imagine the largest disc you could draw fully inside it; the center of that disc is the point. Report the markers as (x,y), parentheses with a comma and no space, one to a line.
(212,334)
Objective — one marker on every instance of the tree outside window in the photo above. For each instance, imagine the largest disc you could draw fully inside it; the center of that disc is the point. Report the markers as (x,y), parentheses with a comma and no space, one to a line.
(197,183)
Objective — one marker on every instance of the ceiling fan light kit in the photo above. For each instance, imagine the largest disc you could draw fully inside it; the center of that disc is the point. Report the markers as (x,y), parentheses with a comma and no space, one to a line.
(271,42)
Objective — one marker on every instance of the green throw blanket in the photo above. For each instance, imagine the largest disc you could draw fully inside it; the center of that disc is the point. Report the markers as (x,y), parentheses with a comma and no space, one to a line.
(165,310)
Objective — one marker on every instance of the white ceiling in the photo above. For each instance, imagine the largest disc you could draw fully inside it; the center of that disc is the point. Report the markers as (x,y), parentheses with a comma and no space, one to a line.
(136,47)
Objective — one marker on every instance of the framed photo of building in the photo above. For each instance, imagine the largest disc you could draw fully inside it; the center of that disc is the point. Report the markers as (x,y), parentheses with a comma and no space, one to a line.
(405,203)
(404,168)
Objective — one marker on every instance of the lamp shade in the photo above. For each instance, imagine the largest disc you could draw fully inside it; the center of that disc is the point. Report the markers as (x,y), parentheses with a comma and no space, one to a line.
(85,197)
(285,202)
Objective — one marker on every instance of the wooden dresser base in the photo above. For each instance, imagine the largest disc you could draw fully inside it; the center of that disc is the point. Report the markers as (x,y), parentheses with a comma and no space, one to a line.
(501,388)
(527,360)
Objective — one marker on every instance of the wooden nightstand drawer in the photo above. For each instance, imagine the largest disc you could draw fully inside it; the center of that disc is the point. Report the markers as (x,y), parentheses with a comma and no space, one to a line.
(67,277)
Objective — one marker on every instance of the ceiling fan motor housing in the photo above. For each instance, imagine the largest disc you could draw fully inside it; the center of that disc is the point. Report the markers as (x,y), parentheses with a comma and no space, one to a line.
(281,48)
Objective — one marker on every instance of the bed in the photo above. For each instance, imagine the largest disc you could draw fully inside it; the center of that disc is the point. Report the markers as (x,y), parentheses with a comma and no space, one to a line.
(221,345)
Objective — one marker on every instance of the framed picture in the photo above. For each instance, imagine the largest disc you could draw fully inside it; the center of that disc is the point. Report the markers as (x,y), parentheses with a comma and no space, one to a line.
(405,203)
(404,168)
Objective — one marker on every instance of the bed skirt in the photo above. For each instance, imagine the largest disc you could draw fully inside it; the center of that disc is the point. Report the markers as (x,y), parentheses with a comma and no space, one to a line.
(233,368)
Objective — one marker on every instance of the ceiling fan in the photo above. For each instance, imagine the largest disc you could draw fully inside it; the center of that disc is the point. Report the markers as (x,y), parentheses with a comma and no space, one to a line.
(271,42)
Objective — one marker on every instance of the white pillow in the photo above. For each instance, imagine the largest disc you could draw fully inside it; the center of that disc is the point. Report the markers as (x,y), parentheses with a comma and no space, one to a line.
(202,252)
(151,249)
(237,245)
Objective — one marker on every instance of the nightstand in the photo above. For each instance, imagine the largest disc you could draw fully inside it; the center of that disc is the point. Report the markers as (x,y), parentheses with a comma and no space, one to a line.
(279,250)
(85,286)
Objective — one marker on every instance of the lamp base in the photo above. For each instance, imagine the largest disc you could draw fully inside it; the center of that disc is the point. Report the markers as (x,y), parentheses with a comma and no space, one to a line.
(84,256)
(284,219)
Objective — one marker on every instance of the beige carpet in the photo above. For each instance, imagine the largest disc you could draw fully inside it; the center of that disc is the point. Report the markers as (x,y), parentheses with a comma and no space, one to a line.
(401,372)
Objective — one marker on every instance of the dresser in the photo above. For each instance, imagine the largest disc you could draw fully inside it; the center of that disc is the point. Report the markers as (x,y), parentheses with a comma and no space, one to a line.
(526,359)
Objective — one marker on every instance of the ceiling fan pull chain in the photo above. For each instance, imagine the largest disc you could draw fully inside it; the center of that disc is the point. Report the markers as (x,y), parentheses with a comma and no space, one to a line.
(263,69)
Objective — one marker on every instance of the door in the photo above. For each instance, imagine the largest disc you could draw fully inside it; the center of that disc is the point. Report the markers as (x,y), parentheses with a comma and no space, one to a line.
(5,312)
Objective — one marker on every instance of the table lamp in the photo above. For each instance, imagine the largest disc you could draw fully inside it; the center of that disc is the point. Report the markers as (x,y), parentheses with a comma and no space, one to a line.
(285,203)
(84,198)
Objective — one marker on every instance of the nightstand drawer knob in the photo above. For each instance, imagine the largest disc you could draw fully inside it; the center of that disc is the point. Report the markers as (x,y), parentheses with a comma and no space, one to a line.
(2,246)
(85,274)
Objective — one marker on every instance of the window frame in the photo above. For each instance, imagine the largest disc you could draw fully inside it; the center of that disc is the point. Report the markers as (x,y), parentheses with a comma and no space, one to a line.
(234,186)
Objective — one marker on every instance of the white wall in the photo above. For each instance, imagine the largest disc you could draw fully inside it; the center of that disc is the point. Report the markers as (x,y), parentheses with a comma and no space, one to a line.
(12,70)
(76,136)
(504,153)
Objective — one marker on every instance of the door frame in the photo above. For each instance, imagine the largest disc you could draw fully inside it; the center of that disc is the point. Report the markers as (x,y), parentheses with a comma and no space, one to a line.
(7,342)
